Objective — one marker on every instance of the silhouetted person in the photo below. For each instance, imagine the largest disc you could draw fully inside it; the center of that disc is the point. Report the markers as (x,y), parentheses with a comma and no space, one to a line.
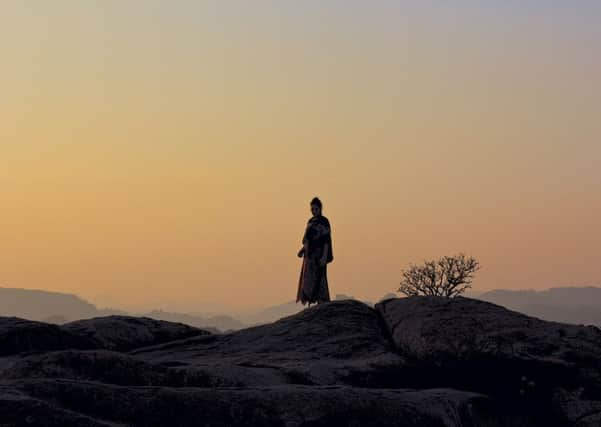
(316,253)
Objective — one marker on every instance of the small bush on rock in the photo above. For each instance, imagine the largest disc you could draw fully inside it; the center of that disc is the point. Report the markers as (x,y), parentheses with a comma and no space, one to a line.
(447,277)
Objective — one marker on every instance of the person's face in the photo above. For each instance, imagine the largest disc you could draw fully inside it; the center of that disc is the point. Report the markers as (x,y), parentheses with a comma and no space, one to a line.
(315,210)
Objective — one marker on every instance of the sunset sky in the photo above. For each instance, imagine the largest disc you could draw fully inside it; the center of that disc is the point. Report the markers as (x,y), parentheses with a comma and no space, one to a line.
(164,153)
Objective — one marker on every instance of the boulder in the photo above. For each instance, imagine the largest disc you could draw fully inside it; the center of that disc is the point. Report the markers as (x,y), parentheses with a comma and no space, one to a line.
(20,335)
(291,406)
(89,365)
(341,342)
(123,333)
(450,329)
(524,362)
(20,410)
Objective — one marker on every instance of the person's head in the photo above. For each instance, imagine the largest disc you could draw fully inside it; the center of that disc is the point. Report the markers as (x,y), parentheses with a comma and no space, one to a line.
(316,206)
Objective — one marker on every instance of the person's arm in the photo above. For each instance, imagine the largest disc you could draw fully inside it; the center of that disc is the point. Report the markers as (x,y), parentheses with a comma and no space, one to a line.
(324,257)
(327,244)
(304,250)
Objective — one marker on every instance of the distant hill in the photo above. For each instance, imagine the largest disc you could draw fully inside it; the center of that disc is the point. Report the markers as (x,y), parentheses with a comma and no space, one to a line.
(59,308)
(35,304)
(271,314)
(213,323)
(568,305)
(578,305)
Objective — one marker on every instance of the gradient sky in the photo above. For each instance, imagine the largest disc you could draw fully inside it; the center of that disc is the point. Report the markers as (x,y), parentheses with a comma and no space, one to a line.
(164,153)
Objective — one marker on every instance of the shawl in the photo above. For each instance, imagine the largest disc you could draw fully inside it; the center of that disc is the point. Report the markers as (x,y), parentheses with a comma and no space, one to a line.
(318,234)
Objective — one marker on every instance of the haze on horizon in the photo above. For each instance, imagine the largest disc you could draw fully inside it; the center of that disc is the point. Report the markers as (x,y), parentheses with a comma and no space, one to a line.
(165,153)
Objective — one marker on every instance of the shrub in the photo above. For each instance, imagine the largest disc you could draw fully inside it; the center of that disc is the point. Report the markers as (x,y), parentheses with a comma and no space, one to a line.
(447,277)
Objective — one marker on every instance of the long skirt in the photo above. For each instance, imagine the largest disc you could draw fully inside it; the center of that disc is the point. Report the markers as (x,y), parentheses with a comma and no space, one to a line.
(313,282)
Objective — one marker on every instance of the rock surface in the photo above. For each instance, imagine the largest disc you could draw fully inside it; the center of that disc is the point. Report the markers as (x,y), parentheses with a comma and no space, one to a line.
(19,335)
(261,406)
(475,345)
(408,362)
(453,329)
(335,343)
(124,333)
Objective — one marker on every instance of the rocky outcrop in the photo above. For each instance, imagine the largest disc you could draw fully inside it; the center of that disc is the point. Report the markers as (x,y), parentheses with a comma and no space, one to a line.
(19,335)
(342,342)
(122,333)
(252,406)
(119,333)
(439,329)
(475,345)
(408,362)
(89,365)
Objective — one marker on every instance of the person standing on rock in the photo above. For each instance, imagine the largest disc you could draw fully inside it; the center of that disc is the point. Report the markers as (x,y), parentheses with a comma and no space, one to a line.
(317,254)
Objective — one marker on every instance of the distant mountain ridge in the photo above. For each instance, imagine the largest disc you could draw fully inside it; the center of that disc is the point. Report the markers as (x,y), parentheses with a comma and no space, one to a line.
(577,305)
(214,323)
(34,304)
(59,308)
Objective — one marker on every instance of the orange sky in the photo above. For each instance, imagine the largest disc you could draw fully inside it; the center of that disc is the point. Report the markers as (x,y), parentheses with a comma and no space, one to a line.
(164,155)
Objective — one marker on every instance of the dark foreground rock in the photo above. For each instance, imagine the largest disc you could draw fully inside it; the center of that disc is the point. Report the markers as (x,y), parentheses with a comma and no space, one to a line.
(19,335)
(408,362)
(251,406)
(124,333)
(335,343)
(520,360)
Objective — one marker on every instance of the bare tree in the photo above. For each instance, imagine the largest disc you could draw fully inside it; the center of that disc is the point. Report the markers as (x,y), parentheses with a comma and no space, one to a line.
(447,277)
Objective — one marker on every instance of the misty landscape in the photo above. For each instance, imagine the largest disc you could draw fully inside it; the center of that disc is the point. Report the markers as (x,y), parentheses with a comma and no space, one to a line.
(575,305)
